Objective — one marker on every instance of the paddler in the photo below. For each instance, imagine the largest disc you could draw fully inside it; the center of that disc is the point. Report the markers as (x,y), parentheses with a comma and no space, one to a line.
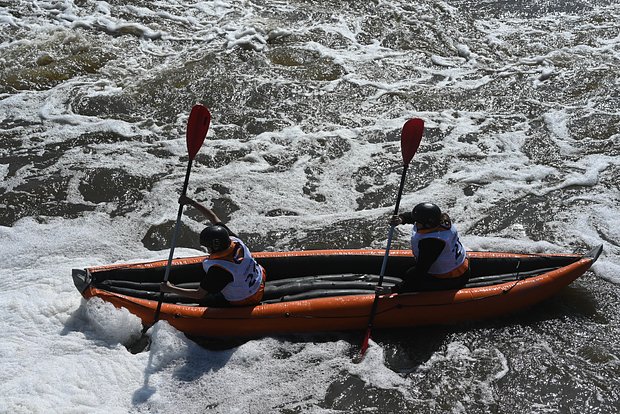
(232,276)
(441,259)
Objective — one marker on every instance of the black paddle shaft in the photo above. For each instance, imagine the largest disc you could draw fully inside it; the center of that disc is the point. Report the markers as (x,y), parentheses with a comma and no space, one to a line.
(174,241)
(375,303)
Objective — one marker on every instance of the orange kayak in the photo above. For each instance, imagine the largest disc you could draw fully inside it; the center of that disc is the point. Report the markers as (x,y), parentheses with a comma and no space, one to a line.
(333,290)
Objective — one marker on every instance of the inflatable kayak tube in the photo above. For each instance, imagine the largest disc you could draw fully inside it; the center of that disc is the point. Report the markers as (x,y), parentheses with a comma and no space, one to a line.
(333,290)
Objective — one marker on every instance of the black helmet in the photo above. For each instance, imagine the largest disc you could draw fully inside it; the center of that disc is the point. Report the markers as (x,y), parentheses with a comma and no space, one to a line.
(427,213)
(215,238)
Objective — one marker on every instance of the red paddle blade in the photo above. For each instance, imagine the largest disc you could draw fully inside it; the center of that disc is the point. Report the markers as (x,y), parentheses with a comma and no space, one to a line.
(365,344)
(410,138)
(197,127)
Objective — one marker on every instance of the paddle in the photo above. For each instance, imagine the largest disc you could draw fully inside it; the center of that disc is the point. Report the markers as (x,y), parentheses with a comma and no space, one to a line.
(197,127)
(409,142)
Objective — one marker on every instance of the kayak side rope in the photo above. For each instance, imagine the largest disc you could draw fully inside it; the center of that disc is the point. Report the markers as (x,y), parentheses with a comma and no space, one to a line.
(518,278)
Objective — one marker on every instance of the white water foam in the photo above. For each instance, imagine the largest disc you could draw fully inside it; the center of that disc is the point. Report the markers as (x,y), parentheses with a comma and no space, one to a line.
(60,354)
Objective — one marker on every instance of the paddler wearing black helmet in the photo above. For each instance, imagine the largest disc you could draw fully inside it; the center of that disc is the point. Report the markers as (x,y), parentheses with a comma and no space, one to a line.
(232,276)
(441,259)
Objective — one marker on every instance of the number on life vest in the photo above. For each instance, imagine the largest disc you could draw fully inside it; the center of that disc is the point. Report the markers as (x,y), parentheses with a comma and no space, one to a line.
(251,277)
(238,254)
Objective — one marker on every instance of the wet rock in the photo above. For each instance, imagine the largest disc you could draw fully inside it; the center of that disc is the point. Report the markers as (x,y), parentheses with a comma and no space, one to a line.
(115,186)
(39,197)
(160,237)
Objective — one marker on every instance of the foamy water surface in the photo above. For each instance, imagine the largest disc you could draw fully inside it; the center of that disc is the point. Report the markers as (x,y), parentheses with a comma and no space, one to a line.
(522,148)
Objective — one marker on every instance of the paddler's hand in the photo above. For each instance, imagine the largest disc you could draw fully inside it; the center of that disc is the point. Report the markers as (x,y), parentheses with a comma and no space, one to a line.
(382,290)
(396,220)
(165,287)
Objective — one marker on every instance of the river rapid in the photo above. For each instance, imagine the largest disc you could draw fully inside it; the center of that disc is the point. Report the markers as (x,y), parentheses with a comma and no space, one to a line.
(521,104)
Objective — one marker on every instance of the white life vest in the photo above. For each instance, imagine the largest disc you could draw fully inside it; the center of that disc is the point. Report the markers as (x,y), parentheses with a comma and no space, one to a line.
(452,261)
(247,274)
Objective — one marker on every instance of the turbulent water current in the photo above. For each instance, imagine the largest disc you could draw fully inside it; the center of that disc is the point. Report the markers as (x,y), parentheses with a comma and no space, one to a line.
(521,102)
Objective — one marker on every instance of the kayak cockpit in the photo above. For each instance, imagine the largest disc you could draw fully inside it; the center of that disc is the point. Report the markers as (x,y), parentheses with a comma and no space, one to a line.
(307,275)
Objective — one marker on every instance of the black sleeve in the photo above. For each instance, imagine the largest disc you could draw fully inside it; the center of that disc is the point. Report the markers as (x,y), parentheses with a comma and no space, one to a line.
(216,279)
(407,218)
(230,232)
(430,249)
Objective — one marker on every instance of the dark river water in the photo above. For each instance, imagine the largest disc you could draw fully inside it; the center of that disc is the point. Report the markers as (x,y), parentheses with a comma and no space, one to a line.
(521,105)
